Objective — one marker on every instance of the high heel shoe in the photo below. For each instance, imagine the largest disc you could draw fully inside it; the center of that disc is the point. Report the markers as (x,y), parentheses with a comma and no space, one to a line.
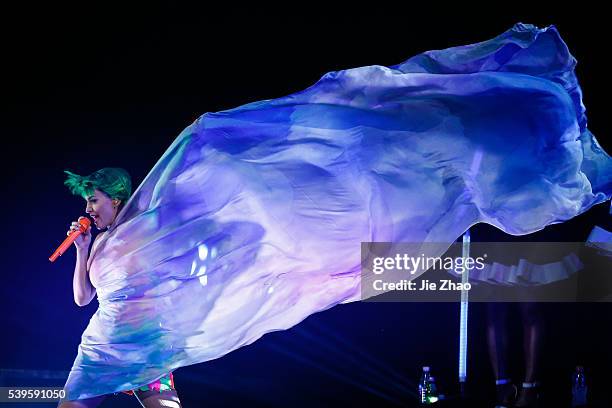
(506,393)
(529,396)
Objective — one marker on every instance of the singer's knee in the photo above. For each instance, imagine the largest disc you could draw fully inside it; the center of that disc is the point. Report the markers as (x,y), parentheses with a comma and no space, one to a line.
(156,399)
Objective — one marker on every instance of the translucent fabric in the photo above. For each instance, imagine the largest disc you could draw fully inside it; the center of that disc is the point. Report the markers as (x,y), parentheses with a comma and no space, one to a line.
(252,219)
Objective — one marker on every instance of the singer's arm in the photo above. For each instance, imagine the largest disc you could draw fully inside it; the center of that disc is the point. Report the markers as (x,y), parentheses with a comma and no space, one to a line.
(81,285)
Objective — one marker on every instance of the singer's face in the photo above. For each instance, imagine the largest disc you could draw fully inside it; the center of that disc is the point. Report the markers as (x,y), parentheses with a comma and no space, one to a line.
(100,209)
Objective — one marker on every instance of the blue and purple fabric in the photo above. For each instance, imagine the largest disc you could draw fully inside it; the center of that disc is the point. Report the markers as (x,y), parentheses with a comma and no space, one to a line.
(252,219)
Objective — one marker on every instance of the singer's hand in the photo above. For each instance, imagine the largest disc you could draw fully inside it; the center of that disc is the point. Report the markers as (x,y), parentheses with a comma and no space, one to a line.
(83,240)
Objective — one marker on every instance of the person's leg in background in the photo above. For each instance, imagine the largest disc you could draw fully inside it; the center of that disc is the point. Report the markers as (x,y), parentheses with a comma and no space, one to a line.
(497,339)
(533,336)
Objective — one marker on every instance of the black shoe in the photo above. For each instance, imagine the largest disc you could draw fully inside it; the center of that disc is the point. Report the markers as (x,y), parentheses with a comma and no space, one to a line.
(506,394)
(529,396)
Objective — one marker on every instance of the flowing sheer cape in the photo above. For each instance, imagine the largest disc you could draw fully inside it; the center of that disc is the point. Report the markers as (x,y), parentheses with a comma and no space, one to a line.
(252,219)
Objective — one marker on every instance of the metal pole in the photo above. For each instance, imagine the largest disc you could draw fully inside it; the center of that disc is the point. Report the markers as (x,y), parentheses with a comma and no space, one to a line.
(463,317)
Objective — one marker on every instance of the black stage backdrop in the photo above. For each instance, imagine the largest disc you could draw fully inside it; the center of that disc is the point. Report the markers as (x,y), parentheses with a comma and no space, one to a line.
(94,87)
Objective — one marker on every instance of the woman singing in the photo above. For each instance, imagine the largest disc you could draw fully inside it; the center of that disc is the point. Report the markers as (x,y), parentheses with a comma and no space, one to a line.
(106,192)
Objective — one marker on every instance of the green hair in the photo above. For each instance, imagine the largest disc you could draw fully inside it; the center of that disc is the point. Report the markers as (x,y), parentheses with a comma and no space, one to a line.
(113,181)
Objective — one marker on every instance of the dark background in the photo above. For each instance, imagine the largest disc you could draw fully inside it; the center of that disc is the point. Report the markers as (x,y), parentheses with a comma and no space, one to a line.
(90,87)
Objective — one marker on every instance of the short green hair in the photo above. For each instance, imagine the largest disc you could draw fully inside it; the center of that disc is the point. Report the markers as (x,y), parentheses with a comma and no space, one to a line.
(113,181)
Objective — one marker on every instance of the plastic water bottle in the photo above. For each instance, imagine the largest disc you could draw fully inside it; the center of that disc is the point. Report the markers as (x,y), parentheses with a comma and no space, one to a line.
(428,393)
(433,390)
(579,388)
(424,386)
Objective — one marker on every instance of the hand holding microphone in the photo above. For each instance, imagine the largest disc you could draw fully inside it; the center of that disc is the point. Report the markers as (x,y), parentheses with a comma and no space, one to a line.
(84,238)
(79,233)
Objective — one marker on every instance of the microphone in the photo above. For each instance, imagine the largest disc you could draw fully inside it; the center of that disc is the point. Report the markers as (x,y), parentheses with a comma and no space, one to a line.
(84,224)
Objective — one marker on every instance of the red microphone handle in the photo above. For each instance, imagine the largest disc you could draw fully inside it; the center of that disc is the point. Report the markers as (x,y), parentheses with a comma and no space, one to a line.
(85,223)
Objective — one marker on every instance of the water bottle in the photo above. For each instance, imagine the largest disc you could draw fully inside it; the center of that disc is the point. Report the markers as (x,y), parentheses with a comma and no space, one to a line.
(428,393)
(433,390)
(579,388)
(424,386)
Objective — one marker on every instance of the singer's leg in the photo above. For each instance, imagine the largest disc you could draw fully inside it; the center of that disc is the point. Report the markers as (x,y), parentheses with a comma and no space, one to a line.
(160,393)
(84,403)
(156,399)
